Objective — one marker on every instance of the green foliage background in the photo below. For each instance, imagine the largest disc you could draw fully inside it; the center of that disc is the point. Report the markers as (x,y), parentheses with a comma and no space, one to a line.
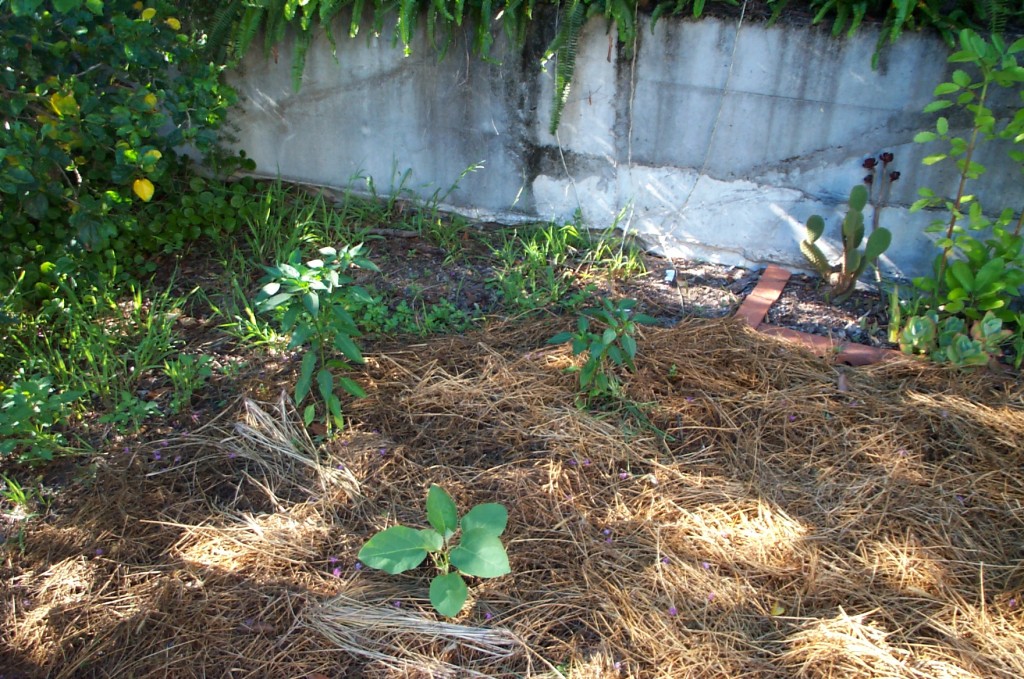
(98,99)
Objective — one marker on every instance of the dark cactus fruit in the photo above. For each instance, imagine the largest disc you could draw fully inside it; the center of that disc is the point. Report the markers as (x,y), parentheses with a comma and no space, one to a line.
(869,179)
(886,157)
(894,175)
(869,163)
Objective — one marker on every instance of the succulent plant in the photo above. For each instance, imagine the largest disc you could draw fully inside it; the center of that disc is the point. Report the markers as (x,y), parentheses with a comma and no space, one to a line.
(843,277)
(950,341)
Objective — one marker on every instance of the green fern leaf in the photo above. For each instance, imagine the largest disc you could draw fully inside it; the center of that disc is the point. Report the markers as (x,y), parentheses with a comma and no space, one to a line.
(406,21)
(248,27)
(564,47)
(222,35)
(302,43)
(357,18)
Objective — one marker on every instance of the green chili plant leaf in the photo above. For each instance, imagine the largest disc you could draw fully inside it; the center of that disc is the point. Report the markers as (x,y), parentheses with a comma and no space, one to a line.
(489,517)
(480,553)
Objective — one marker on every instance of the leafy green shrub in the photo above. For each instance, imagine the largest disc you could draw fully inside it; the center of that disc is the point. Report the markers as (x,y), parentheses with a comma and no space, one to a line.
(979,270)
(309,300)
(30,409)
(479,552)
(98,117)
(980,267)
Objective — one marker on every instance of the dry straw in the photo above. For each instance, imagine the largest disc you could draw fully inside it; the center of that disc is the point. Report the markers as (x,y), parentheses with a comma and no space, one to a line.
(776,516)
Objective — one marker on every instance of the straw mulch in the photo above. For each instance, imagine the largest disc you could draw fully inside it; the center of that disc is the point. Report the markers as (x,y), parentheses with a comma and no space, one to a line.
(791,518)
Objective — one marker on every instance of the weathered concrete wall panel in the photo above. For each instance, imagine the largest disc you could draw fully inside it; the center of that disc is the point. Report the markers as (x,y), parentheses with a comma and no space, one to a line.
(714,139)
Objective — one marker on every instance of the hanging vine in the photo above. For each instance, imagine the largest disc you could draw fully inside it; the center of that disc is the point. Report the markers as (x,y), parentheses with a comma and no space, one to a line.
(234,26)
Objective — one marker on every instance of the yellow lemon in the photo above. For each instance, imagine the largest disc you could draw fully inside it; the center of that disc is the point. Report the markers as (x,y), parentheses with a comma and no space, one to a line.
(150,100)
(143,188)
(173,23)
(148,13)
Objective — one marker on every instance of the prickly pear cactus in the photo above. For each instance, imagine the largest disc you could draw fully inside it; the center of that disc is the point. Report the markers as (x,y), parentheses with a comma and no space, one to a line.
(844,280)
(815,227)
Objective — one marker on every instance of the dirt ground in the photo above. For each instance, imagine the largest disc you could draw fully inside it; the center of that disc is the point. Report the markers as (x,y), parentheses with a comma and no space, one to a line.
(761,512)
(774,516)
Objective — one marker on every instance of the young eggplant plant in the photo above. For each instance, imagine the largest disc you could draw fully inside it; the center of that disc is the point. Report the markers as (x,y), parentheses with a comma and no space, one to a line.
(479,552)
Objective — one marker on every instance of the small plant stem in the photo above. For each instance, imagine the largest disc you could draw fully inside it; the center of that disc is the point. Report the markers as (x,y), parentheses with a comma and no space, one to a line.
(876,214)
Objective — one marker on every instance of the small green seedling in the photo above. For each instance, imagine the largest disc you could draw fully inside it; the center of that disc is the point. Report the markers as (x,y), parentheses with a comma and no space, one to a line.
(479,552)
(611,343)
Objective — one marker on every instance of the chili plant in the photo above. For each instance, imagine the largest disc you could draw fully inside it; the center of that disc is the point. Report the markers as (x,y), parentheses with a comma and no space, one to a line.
(310,301)
(614,345)
(479,552)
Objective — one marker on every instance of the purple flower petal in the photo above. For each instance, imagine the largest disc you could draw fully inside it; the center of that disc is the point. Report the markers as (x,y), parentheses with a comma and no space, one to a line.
(673,611)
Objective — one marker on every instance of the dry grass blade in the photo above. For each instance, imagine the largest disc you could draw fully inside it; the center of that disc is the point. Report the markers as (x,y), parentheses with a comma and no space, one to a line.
(282,448)
(404,641)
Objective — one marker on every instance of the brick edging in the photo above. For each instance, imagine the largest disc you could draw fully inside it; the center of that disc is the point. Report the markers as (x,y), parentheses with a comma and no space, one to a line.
(768,289)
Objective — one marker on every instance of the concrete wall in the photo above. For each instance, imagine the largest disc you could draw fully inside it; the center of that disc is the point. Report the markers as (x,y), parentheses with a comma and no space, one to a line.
(714,140)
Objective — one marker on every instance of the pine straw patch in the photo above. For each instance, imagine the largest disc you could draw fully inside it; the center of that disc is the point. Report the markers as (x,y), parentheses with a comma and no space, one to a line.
(799,519)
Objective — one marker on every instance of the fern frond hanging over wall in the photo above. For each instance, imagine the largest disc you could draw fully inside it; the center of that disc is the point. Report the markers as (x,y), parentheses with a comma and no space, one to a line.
(563,48)
(236,24)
